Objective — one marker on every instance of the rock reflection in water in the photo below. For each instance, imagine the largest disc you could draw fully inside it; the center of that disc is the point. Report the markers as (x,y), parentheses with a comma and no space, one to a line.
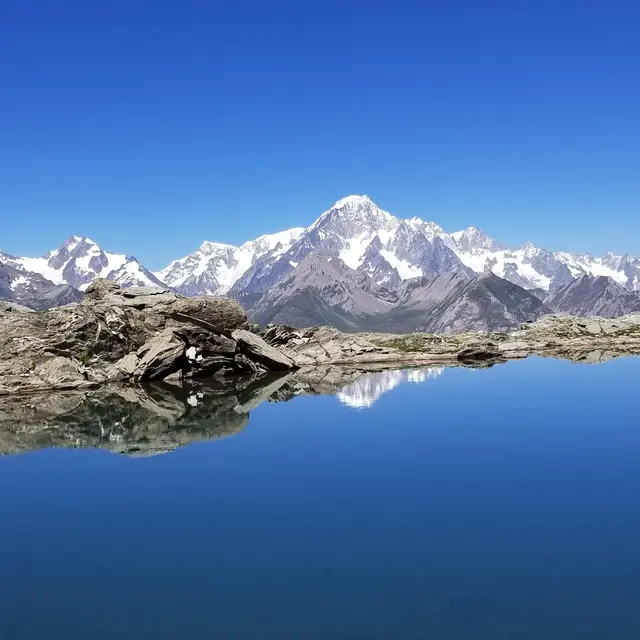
(157,418)
(142,420)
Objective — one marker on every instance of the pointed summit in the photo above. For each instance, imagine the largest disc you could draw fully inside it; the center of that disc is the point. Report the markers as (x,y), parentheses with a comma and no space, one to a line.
(474,239)
(355,215)
(353,200)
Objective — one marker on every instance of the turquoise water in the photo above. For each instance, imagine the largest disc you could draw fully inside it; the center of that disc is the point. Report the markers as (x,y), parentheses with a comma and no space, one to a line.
(448,504)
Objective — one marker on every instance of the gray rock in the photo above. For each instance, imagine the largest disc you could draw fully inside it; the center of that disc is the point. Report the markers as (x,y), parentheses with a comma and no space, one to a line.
(247,365)
(210,365)
(62,373)
(221,314)
(257,349)
(127,365)
(160,357)
(480,353)
(13,307)
(136,292)
(205,342)
(100,288)
(117,334)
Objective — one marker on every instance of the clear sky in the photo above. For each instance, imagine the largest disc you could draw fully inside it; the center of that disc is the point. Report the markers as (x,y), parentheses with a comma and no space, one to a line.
(152,126)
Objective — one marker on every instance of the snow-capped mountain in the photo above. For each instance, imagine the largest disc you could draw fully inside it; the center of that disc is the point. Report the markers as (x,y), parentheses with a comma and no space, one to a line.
(214,268)
(79,261)
(366,390)
(32,289)
(390,249)
(365,238)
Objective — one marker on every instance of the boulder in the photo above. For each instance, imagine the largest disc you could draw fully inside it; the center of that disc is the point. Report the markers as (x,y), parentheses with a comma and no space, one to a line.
(257,349)
(160,357)
(247,365)
(214,313)
(480,353)
(13,307)
(205,343)
(100,288)
(127,365)
(62,373)
(210,365)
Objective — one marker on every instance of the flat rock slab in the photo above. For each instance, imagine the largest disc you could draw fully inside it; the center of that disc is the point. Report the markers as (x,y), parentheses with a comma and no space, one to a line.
(13,307)
(257,349)
(160,357)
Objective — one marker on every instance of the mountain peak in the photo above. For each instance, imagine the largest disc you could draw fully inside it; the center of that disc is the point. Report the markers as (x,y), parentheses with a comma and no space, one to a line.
(350,200)
(75,241)
(474,239)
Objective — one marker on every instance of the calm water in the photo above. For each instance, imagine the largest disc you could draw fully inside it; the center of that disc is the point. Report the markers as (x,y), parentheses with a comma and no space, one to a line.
(447,504)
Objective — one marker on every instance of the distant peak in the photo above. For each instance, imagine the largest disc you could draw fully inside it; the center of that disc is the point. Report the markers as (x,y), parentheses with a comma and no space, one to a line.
(73,242)
(355,199)
(207,245)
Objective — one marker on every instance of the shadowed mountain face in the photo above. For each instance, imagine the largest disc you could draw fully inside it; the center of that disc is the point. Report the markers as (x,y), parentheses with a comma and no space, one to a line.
(486,303)
(32,289)
(320,291)
(594,296)
(323,291)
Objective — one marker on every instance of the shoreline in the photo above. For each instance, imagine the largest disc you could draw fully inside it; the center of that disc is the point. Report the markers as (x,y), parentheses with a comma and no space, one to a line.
(137,335)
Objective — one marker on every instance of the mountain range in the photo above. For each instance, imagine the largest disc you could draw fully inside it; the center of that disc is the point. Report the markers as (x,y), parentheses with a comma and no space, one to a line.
(356,267)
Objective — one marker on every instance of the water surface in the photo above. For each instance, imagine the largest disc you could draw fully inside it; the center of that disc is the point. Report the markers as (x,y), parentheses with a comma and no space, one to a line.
(444,503)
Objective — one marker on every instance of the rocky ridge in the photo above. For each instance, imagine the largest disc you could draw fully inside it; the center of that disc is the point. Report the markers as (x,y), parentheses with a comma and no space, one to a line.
(570,337)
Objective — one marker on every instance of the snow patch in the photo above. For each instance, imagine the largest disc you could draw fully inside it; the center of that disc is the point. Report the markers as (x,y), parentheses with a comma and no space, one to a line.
(403,267)
(20,280)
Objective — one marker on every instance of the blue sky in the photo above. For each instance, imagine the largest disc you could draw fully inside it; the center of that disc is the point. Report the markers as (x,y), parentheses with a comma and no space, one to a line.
(152,126)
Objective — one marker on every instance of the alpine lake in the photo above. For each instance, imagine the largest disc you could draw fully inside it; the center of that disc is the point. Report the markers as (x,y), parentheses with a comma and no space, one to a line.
(422,504)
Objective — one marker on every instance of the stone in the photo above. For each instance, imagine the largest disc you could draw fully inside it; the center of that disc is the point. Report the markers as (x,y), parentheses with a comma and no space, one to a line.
(257,349)
(136,292)
(127,365)
(13,307)
(220,314)
(209,365)
(62,373)
(160,357)
(247,365)
(205,342)
(112,337)
(118,334)
(100,288)
(479,353)
(276,334)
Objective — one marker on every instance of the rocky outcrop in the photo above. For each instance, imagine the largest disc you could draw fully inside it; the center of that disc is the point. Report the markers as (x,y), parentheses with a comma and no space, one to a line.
(260,351)
(120,334)
(553,335)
